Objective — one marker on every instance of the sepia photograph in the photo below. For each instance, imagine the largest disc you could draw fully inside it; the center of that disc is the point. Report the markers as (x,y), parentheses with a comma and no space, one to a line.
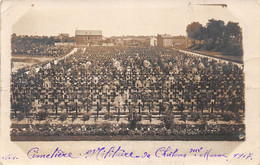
(133,73)
(130,82)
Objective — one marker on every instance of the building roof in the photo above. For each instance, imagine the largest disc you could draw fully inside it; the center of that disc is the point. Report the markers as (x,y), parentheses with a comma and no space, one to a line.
(64,34)
(88,32)
(179,37)
(165,36)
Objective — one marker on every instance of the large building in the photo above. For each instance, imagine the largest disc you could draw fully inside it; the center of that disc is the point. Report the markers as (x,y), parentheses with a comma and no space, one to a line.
(164,40)
(88,37)
(180,42)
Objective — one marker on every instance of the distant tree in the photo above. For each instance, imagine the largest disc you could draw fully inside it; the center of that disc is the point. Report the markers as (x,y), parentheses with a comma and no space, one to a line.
(194,31)
(203,34)
(50,41)
(215,30)
(233,32)
(217,36)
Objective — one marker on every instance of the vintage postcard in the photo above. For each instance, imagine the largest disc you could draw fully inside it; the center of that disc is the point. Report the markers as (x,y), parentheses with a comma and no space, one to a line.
(130,82)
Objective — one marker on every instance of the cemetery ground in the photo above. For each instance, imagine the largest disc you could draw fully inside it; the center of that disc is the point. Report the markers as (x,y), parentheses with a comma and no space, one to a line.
(108,126)
(161,95)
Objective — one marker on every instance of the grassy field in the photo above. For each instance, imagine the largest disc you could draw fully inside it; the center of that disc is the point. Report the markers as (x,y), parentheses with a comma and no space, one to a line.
(238,59)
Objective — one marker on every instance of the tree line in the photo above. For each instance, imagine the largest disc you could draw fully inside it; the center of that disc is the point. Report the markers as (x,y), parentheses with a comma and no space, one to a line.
(42,40)
(216,36)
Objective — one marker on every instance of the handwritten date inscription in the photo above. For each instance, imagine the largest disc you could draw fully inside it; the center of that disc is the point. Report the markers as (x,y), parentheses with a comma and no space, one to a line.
(113,152)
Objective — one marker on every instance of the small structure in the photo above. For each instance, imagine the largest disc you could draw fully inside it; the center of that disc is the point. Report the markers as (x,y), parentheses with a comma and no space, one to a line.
(64,36)
(153,41)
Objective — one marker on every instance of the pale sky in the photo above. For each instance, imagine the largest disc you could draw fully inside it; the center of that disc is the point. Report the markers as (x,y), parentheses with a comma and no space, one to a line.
(115,17)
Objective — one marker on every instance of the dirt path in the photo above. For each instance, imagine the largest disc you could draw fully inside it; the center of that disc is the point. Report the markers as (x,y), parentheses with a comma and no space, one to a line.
(22,61)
